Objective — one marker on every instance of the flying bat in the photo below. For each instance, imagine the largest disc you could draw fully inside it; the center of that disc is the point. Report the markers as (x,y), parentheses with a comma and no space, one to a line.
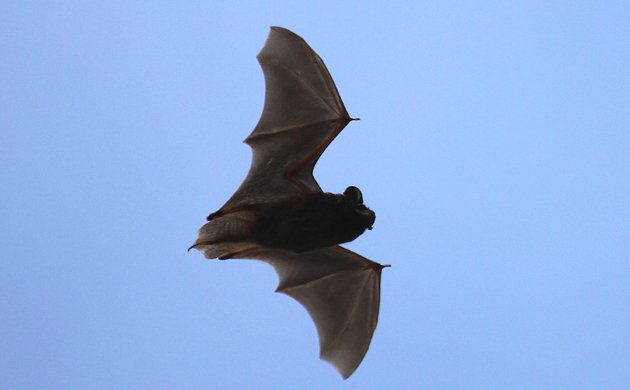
(281,216)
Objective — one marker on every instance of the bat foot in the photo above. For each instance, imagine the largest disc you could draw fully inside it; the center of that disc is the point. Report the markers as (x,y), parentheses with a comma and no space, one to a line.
(196,244)
(214,215)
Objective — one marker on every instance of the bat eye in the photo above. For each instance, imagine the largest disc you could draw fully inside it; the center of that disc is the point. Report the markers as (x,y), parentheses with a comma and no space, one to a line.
(353,194)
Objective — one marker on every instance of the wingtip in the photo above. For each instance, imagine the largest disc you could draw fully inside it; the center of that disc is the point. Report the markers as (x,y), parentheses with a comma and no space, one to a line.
(348,374)
(282,29)
(345,374)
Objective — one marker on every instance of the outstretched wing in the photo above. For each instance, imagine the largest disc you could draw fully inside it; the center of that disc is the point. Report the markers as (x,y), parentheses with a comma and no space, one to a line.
(303,113)
(340,290)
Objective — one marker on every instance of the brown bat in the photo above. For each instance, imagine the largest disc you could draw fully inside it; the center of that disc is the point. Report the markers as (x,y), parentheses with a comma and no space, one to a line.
(281,216)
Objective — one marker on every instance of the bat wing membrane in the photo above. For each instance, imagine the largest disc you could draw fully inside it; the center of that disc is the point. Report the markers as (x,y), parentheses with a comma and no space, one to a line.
(340,290)
(302,114)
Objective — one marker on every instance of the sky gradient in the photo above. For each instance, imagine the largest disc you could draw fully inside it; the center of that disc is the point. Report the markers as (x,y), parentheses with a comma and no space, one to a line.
(493,145)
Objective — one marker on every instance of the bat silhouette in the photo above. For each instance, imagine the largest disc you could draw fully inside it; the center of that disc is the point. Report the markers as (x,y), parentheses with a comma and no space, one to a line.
(281,216)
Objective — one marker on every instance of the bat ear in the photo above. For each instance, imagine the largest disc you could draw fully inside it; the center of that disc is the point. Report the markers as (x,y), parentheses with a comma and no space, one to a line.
(353,194)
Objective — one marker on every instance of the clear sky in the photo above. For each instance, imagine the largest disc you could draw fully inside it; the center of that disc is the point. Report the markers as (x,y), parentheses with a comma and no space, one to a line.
(494,147)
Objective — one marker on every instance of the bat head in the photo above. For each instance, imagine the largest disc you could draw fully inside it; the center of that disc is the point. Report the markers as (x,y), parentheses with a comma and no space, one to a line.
(352,197)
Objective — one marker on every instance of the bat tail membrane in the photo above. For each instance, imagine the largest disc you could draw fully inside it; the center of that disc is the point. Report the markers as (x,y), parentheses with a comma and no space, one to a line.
(225,235)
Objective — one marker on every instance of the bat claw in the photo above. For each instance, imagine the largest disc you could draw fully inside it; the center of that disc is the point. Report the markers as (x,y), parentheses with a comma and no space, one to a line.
(196,244)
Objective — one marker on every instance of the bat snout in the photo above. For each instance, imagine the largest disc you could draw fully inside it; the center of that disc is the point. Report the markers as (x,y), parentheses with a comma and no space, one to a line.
(369,217)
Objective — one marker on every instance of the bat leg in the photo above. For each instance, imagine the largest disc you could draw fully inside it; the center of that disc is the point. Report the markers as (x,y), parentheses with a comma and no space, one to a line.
(239,253)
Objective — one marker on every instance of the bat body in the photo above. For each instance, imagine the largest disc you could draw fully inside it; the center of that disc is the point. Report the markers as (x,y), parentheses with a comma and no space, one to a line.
(281,216)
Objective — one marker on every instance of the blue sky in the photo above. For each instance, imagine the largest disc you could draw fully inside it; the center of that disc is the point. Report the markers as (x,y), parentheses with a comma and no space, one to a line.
(494,147)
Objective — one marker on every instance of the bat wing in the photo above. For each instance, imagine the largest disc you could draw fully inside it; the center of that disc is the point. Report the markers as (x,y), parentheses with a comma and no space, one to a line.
(340,290)
(303,113)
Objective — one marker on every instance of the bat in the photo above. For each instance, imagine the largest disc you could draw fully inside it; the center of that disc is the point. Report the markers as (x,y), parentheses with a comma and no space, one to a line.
(281,216)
